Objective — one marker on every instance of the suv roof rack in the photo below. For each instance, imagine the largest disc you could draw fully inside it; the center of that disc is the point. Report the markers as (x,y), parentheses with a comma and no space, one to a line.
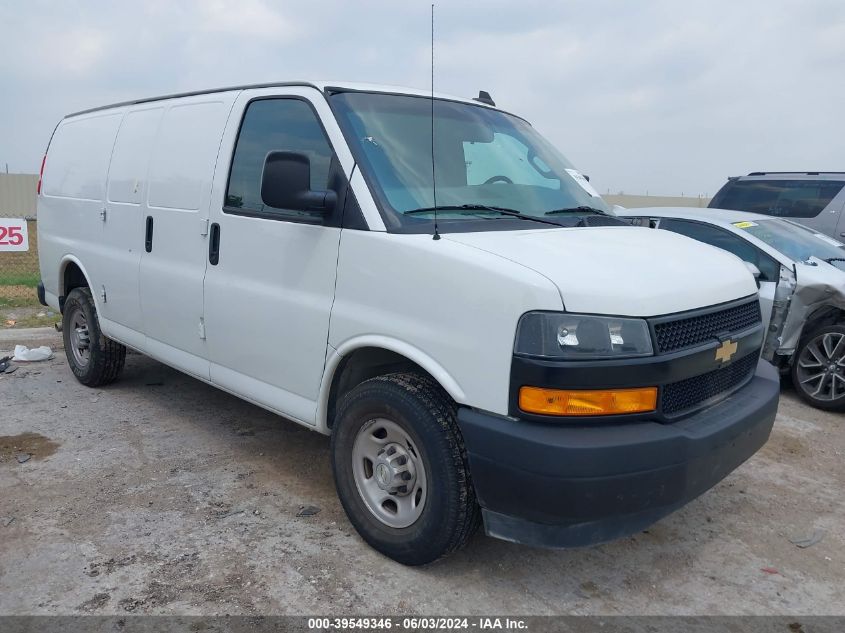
(807,173)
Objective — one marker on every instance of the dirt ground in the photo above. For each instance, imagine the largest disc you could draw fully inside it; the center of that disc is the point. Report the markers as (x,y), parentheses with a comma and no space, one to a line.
(163,495)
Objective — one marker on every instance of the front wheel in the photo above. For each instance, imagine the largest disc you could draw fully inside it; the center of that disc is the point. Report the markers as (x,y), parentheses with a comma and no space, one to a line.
(400,468)
(818,371)
(94,359)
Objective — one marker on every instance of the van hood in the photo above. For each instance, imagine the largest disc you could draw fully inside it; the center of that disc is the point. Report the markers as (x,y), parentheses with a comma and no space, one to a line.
(622,270)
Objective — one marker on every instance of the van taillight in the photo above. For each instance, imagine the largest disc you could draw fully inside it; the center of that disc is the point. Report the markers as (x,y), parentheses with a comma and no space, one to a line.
(41,174)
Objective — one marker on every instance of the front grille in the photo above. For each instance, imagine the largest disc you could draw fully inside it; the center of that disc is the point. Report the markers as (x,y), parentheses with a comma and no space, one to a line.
(695,330)
(691,392)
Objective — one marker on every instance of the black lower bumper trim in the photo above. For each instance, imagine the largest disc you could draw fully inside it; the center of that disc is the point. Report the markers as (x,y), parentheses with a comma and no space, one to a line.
(567,486)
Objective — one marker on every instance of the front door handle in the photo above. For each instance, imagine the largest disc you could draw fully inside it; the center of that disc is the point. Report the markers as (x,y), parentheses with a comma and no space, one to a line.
(148,236)
(214,244)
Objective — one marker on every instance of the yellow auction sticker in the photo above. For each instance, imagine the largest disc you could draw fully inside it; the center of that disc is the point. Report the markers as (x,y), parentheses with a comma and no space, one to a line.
(744,225)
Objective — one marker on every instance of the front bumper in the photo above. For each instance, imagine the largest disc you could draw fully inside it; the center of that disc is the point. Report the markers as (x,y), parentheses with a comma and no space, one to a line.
(559,485)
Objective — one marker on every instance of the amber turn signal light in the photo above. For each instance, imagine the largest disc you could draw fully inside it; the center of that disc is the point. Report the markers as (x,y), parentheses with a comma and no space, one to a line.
(587,401)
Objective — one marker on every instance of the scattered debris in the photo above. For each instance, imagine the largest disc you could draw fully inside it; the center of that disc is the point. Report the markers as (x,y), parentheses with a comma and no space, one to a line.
(5,363)
(10,323)
(307,511)
(807,541)
(24,354)
(92,604)
(23,457)
(770,570)
(10,369)
(231,514)
(7,521)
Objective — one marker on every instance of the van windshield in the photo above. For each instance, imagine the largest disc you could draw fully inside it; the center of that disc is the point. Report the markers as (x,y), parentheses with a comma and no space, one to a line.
(483,159)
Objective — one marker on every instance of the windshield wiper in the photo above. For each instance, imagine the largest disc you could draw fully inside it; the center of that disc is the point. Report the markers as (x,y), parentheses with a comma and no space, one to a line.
(475,208)
(830,260)
(579,209)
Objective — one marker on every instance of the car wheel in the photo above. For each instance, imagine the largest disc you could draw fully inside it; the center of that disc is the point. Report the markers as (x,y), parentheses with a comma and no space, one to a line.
(400,468)
(94,359)
(818,371)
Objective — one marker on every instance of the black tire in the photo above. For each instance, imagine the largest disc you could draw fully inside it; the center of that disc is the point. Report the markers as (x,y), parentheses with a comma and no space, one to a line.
(450,514)
(819,393)
(105,357)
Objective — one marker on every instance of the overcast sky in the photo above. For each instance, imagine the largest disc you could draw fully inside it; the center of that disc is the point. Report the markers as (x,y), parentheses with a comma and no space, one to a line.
(661,96)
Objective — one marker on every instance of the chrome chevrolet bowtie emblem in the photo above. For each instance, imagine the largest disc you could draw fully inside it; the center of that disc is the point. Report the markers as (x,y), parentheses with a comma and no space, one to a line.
(725,351)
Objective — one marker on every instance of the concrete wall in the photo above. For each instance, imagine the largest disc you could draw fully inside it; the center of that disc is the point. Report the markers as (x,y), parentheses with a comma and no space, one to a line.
(633,202)
(17,195)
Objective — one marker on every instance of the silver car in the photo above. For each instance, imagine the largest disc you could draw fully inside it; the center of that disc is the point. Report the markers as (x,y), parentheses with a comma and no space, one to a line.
(801,276)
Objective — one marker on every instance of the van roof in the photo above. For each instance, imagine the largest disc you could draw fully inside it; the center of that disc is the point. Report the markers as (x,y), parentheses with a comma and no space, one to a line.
(323,86)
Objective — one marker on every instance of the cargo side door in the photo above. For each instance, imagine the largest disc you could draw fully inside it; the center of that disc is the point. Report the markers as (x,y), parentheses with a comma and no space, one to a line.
(270,282)
(173,231)
(122,241)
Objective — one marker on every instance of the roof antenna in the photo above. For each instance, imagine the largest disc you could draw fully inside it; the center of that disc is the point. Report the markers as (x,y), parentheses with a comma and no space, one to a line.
(433,178)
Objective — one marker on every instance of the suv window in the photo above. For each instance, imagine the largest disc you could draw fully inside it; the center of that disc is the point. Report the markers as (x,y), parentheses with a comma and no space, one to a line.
(784,198)
(270,125)
(720,238)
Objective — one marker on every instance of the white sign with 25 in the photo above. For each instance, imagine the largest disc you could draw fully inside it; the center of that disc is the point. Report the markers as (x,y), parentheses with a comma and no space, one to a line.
(13,235)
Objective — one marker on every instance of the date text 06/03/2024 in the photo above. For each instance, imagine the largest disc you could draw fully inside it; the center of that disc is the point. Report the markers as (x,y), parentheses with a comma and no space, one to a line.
(418,623)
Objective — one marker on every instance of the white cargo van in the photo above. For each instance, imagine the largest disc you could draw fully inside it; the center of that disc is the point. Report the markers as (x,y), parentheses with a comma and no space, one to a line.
(480,338)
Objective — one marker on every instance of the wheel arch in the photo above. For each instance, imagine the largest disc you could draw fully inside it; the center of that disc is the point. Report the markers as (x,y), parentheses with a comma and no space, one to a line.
(72,274)
(366,357)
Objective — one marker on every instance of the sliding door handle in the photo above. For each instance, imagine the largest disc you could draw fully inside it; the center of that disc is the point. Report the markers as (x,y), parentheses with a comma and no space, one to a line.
(214,244)
(148,236)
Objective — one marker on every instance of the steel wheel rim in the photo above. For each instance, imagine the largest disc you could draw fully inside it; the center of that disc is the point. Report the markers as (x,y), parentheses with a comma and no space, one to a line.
(384,461)
(80,341)
(821,367)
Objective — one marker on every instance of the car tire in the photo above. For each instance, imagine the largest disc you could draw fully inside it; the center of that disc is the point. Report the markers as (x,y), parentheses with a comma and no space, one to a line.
(406,426)
(94,359)
(818,368)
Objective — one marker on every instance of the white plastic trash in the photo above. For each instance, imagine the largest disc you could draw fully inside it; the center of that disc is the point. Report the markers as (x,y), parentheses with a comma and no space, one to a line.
(24,354)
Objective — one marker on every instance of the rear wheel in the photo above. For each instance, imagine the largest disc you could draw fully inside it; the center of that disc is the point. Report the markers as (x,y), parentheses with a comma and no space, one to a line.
(818,371)
(400,468)
(94,359)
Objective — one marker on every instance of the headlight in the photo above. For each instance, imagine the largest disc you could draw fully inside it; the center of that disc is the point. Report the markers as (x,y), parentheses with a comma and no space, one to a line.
(581,336)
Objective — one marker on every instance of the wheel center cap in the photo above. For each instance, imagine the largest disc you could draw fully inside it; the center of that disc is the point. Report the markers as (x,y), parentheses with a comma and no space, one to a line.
(383,475)
(393,470)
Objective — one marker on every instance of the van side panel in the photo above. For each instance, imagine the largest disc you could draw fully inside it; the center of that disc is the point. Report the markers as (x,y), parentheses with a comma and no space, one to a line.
(73,194)
(123,228)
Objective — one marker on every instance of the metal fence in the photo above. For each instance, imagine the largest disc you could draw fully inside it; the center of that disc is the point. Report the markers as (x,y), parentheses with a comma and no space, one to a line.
(19,273)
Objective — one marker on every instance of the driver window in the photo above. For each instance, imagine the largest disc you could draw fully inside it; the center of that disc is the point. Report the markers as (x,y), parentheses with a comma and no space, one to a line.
(505,159)
(769,268)
(275,124)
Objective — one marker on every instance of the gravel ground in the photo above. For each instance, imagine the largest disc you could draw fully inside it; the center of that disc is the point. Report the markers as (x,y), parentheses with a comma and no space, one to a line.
(163,495)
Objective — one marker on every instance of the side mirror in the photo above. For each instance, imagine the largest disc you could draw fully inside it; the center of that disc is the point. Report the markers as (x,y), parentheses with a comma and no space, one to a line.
(754,271)
(286,184)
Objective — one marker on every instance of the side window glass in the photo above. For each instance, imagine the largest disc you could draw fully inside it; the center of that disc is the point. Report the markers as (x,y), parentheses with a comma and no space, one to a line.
(747,252)
(275,125)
